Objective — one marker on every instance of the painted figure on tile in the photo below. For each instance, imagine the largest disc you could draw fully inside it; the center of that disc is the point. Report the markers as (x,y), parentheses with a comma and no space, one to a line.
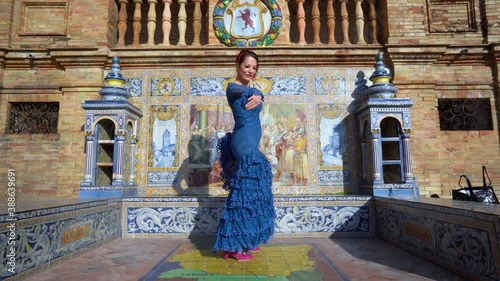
(195,151)
(212,141)
(285,153)
(300,166)
(331,127)
(248,217)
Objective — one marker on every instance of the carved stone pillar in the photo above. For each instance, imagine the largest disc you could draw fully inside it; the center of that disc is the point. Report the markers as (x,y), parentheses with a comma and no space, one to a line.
(344,18)
(330,22)
(166,21)
(316,23)
(137,21)
(182,24)
(286,22)
(151,21)
(122,22)
(372,21)
(360,23)
(301,22)
(197,22)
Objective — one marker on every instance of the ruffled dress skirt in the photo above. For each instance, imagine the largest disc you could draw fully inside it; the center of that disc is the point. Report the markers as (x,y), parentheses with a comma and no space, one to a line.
(248,216)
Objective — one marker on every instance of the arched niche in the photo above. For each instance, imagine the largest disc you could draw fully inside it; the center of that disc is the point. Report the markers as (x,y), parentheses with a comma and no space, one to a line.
(392,151)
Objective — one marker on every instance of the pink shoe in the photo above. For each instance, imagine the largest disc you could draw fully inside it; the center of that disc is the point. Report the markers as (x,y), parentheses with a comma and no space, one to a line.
(238,256)
(255,250)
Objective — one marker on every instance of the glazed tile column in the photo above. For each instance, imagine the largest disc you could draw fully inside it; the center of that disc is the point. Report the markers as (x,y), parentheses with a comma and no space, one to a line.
(151,21)
(182,24)
(372,21)
(122,22)
(344,18)
(316,23)
(197,22)
(407,156)
(364,168)
(137,21)
(133,143)
(360,23)
(166,21)
(301,22)
(90,155)
(330,22)
(118,173)
(376,157)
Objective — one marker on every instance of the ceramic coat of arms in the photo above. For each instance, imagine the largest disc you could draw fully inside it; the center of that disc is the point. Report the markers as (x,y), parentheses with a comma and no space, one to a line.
(247,23)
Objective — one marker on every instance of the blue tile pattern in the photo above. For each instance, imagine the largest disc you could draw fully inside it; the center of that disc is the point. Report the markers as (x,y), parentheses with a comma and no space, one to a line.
(208,86)
(39,241)
(295,215)
(134,86)
(460,239)
(330,85)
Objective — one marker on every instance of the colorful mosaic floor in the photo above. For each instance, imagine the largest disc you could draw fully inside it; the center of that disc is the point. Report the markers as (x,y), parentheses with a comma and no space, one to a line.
(277,262)
(284,259)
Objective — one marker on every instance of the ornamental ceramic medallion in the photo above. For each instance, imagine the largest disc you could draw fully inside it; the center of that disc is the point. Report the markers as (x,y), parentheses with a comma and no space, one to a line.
(247,23)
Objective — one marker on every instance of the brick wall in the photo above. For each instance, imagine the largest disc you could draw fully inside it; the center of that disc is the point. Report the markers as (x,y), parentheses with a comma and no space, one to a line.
(71,163)
(440,157)
(34,159)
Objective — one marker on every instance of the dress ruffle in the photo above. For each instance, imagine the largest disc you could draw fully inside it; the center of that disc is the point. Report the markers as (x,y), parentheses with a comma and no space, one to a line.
(248,217)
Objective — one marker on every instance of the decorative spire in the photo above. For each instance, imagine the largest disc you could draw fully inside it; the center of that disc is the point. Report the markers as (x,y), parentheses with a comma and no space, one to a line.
(114,82)
(381,87)
(382,73)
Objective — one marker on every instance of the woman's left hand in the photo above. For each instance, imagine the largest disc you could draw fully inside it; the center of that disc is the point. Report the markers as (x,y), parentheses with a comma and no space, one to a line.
(253,102)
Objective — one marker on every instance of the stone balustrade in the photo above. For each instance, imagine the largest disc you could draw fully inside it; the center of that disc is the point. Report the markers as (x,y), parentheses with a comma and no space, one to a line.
(302,22)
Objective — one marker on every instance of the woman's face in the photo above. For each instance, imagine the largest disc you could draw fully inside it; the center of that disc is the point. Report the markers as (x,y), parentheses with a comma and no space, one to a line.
(247,70)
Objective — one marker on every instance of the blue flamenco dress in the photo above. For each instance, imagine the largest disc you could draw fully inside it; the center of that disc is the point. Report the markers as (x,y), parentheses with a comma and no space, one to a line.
(248,216)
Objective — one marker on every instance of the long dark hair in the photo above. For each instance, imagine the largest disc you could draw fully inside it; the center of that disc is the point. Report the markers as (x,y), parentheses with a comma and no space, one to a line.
(246,53)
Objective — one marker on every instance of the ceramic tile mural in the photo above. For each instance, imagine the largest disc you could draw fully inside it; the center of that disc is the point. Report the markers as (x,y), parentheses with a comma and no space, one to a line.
(330,85)
(165,86)
(305,122)
(458,238)
(134,86)
(43,239)
(183,216)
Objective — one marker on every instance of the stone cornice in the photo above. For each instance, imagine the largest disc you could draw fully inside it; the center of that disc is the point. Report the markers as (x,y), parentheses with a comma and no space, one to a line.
(439,54)
(297,56)
(154,57)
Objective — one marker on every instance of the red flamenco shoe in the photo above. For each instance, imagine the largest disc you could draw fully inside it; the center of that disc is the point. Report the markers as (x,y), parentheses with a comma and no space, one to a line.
(255,250)
(238,256)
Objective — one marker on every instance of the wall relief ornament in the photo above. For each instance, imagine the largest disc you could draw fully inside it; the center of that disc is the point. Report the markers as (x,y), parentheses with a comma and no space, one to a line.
(247,23)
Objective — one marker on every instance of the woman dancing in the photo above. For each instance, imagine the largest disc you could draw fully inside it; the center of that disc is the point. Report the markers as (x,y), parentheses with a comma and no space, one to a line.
(248,217)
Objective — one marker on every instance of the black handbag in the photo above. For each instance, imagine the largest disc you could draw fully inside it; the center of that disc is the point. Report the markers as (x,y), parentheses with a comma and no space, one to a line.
(483,194)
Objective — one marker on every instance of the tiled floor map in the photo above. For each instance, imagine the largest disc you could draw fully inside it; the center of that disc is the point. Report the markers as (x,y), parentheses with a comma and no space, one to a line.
(275,262)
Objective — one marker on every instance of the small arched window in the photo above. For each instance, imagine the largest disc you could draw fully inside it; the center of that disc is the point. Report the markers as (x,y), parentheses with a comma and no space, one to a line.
(392,150)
